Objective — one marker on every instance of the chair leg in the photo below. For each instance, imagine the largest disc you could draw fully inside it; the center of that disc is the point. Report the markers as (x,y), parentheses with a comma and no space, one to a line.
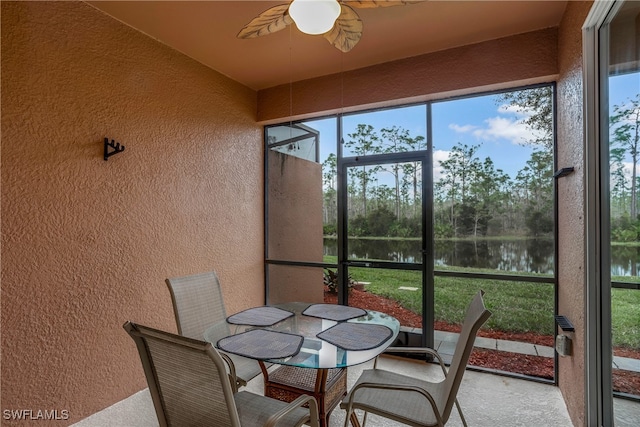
(353,418)
(464,422)
(349,417)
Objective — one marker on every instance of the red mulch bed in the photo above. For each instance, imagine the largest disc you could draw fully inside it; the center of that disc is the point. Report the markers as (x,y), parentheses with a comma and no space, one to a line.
(536,366)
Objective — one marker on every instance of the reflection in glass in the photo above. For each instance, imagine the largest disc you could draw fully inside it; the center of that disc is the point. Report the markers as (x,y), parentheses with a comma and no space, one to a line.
(624,153)
(297,140)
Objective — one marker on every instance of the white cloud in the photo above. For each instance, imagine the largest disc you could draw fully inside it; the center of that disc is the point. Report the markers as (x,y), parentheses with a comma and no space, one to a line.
(509,125)
(507,128)
(628,170)
(515,110)
(462,129)
(439,156)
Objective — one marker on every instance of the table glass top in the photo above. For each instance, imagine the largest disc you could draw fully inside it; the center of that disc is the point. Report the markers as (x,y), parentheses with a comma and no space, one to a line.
(356,340)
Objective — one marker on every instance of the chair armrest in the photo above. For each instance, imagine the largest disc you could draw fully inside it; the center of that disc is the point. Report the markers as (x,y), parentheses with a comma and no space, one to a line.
(396,387)
(425,350)
(232,371)
(300,401)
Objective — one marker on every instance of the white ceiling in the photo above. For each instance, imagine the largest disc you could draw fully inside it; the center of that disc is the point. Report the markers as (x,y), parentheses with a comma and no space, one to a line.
(206,31)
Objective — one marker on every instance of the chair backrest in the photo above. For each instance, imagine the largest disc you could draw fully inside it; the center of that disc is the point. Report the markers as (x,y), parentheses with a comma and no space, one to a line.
(198,304)
(187,379)
(476,316)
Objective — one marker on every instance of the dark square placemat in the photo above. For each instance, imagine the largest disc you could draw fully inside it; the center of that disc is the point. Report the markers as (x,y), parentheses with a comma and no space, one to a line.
(259,316)
(356,336)
(338,313)
(262,344)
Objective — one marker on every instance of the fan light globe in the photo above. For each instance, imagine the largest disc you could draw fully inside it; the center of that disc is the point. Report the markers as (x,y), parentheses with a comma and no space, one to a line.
(314,16)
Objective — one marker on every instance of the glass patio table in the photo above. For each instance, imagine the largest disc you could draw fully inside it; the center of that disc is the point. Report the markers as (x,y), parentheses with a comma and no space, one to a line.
(323,338)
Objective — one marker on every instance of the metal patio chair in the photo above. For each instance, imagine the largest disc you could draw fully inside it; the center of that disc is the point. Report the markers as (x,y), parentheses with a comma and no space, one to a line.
(413,401)
(190,386)
(198,306)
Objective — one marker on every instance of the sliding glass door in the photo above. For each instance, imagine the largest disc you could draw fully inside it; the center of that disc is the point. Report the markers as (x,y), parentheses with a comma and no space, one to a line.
(612,40)
(623,111)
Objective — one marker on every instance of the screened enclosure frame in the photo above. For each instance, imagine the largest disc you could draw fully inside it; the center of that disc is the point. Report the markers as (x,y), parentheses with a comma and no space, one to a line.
(427,266)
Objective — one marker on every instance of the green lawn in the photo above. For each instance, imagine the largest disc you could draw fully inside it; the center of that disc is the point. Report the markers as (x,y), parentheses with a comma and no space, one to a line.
(625,317)
(516,306)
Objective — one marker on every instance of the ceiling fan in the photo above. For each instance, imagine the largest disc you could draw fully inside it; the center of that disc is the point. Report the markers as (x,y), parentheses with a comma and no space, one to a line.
(336,20)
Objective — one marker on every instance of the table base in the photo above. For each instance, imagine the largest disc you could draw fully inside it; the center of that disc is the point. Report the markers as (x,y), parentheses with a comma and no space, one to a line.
(328,386)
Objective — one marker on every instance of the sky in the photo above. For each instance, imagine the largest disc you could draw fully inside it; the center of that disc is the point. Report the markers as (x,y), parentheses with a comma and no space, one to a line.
(479,120)
(473,121)
(484,122)
(621,89)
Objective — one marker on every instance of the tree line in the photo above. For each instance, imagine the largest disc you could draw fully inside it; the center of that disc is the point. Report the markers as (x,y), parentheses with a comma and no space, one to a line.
(624,140)
(472,197)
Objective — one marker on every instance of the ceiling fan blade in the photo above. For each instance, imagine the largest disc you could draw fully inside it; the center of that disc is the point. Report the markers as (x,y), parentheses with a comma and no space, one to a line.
(269,21)
(368,4)
(347,30)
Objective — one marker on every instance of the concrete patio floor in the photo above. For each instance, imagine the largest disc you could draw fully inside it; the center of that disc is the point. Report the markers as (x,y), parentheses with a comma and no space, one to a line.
(486,399)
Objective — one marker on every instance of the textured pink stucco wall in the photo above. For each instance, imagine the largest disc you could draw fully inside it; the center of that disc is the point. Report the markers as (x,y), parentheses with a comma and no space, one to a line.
(87,244)
(295,228)
(523,58)
(571,199)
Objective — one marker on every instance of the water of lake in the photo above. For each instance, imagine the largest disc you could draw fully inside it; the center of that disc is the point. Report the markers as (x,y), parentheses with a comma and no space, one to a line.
(513,256)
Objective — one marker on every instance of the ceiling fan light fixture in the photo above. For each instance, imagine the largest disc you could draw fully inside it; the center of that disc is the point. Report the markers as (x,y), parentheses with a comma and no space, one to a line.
(314,16)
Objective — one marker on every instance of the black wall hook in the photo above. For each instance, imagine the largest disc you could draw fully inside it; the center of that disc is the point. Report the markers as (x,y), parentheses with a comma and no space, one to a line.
(564,323)
(117,148)
(563,172)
